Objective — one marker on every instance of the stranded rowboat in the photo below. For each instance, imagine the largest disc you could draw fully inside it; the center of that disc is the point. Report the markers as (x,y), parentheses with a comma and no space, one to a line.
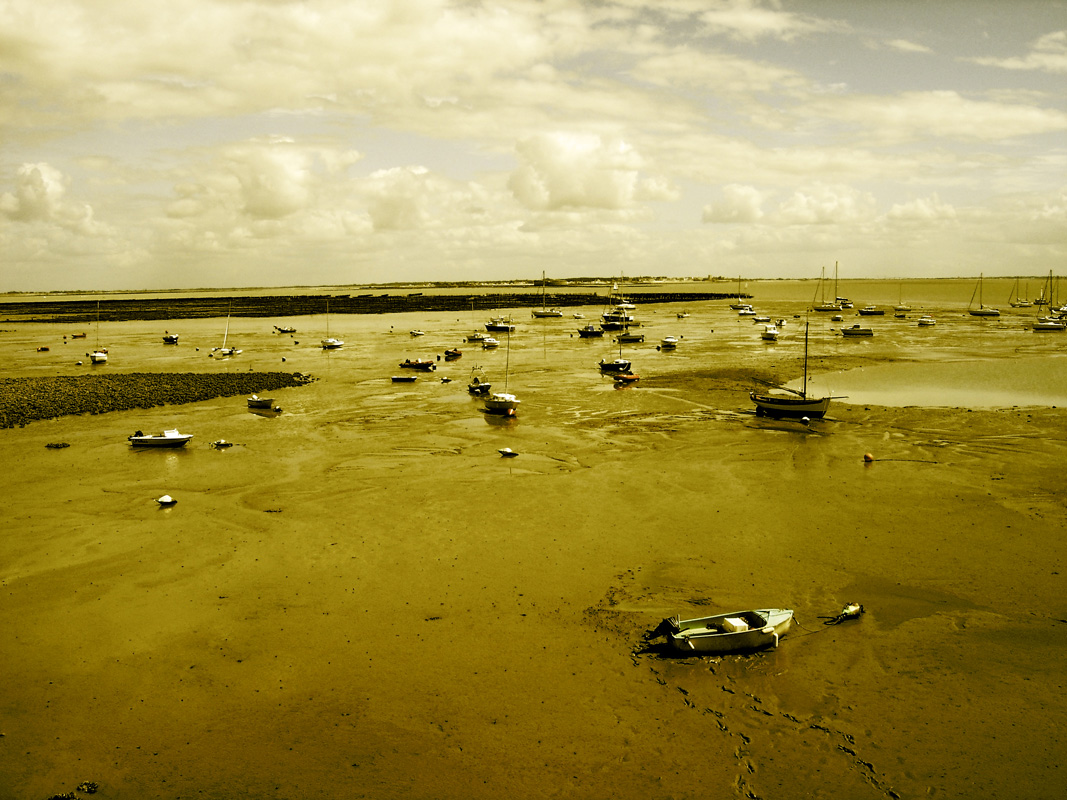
(729,633)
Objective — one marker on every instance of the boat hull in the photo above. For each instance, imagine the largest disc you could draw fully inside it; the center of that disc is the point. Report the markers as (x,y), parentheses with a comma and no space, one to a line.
(161,440)
(758,629)
(501,403)
(770,405)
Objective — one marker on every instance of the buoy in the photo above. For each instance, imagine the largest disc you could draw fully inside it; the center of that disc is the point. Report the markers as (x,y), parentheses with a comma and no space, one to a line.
(868,457)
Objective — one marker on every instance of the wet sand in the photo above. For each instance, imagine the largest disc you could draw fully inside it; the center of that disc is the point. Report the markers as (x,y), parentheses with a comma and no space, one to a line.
(362,599)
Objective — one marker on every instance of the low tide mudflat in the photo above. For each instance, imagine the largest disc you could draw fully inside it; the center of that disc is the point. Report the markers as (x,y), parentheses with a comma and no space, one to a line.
(362,599)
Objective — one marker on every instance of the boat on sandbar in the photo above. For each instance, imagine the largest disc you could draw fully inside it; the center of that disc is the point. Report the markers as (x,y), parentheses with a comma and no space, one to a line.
(790,403)
(421,364)
(736,631)
(857,330)
(255,401)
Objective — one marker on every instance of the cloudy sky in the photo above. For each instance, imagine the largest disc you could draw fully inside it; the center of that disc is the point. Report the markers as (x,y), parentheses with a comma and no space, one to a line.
(218,143)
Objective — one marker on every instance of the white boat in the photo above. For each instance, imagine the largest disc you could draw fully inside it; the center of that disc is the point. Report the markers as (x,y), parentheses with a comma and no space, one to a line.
(740,303)
(746,312)
(330,342)
(170,338)
(500,325)
(255,401)
(926,321)
(99,355)
(823,304)
(769,333)
(544,312)
(169,438)
(669,343)
(417,332)
(488,343)
(1049,324)
(1015,301)
(683,315)
(285,329)
(477,336)
(225,351)
(737,631)
(789,402)
(857,330)
(980,310)
(503,402)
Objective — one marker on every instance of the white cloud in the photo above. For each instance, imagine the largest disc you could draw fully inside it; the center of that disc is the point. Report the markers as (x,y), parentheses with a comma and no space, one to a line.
(905,46)
(923,209)
(39,190)
(1048,54)
(739,204)
(573,170)
(824,205)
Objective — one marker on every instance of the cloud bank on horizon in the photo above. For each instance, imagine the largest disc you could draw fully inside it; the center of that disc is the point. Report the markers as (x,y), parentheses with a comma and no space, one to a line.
(271,143)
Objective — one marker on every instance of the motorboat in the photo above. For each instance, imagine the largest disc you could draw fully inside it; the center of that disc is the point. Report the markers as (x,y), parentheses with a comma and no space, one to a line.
(669,343)
(170,338)
(926,321)
(477,336)
(285,329)
(421,364)
(255,401)
(169,438)
(98,356)
(872,311)
(857,330)
(488,343)
(769,333)
(746,312)
(417,332)
(760,318)
(737,631)
(500,325)
(590,331)
(331,343)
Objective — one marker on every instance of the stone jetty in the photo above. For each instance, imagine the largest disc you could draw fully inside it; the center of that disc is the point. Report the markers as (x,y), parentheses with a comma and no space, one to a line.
(24,400)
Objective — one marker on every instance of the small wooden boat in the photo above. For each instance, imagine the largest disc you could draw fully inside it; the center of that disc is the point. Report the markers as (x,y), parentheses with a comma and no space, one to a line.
(77,336)
(452,354)
(730,633)
(255,401)
(615,366)
(420,364)
(169,438)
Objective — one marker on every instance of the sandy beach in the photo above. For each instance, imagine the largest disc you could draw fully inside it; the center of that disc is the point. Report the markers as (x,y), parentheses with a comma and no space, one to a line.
(361,598)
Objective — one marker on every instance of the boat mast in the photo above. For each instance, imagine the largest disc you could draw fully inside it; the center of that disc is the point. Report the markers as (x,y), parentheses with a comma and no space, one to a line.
(804,389)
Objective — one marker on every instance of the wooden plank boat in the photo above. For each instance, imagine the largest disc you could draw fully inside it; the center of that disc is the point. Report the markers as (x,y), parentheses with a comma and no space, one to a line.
(730,633)
(169,438)
(255,401)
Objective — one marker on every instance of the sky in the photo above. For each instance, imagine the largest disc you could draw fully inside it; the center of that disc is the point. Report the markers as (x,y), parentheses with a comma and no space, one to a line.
(243,143)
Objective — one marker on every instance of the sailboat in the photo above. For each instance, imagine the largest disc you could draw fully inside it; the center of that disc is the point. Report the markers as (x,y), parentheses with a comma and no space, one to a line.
(823,305)
(225,351)
(740,304)
(619,315)
(330,343)
(99,355)
(618,366)
(981,311)
(503,402)
(544,312)
(789,402)
(1015,301)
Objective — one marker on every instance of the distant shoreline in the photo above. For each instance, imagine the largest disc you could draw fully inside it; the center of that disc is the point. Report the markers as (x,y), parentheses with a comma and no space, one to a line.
(167,308)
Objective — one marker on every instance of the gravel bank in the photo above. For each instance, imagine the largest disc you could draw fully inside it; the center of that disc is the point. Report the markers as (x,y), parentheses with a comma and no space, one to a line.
(24,400)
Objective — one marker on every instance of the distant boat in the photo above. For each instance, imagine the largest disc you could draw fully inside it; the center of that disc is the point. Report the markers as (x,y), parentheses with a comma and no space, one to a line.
(170,338)
(285,329)
(479,385)
(452,354)
(544,312)
(488,343)
(872,311)
(404,378)
(503,402)
(1014,300)
(420,364)
(669,343)
(630,338)
(926,321)
(823,304)
(1047,324)
(740,303)
(330,342)
(590,331)
(730,633)
(99,355)
(255,401)
(169,438)
(769,333)
(789,402)
(980,310)
(417,332)
(224,350)
(500,325)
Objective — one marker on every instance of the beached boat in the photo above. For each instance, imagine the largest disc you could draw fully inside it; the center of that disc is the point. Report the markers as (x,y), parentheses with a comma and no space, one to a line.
(1048,324)
(544,312)
(453,353)
(285,329)
(170,338)
(488,343)
(769,333)
(404,378)
(857,330)
(330,342)
(1015,301)
(683,315)
(669,343)
(747,311)
(737,306)
(420,364)
(503,402)
(225,350)
(871,311)
(169,438)
(737,631)
(791,403)
(99,355)
(417,332)
(980,310)
(479,385)
(926,321)
(615,366)
(477,336)
(630,338)
(824,304)
(500,325)
(255,401)
(590,331)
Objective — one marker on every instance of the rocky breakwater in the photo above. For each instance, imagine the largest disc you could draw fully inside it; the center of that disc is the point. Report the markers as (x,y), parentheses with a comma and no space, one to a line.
(24,400)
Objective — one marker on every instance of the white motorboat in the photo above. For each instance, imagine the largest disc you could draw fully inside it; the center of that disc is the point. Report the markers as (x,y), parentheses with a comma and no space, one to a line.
(730,633)
(488,343)
(857,330)
(926,321)
(669,343)
(769,333)
(169,438)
